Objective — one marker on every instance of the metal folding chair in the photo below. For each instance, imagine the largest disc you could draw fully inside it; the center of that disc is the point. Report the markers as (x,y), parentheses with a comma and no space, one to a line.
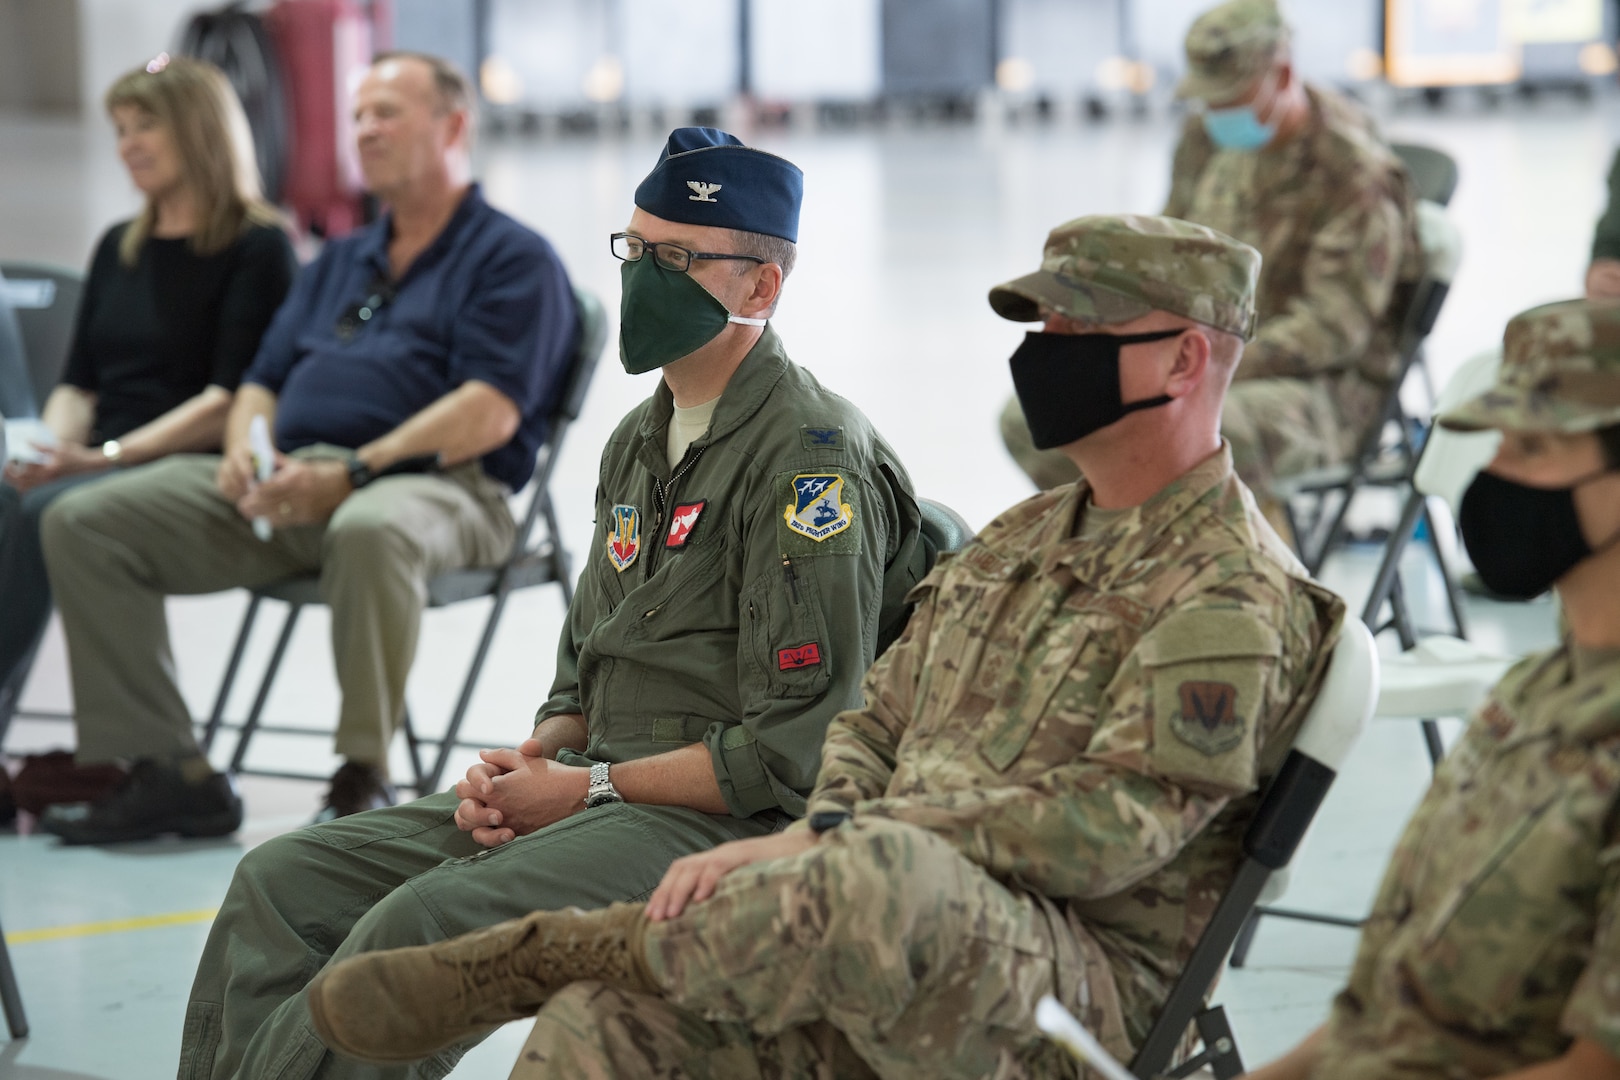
(1331,728)
(45,300)
(1434,676)
(537,558)
(1327,493)
(10,996)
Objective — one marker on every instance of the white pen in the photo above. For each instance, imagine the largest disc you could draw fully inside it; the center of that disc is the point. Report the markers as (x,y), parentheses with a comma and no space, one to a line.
(264,465)
(1061,1026)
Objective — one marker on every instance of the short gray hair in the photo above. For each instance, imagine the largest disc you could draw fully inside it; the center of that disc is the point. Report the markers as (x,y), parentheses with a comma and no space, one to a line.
(452,88)
(773,249)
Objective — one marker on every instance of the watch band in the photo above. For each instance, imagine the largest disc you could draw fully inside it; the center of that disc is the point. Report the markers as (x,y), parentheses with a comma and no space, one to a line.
(822,820)
(601,790)
(359,473)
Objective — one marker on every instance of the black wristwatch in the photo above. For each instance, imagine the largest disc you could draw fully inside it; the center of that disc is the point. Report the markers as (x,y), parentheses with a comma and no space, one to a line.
(360,473)
(822,820)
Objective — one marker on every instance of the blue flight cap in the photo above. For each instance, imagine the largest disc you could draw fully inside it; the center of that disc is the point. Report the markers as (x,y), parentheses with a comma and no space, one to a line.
(707,177)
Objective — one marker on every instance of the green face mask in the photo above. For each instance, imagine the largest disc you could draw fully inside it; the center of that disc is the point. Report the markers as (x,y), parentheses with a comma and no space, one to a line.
(664,316)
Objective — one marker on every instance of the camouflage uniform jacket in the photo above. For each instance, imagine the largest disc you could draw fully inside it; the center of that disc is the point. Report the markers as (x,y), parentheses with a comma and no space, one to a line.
(1331,212)
(1088,720)
(738,598)
(1495,939)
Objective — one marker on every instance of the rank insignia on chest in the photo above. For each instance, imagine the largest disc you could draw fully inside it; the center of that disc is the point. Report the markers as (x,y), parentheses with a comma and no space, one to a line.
(1207,719)
(682,520)
(624,537)
(818,509)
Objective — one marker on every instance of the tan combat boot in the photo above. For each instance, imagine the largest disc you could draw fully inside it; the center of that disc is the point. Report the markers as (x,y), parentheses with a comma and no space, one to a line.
(400,1005)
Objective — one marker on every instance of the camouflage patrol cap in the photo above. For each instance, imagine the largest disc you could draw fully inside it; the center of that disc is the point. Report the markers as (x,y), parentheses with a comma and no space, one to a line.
(1560,372)
(1112,268)
(1229,47)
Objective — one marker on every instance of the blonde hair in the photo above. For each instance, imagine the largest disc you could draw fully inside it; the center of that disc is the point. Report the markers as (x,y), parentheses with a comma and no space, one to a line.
(193,100)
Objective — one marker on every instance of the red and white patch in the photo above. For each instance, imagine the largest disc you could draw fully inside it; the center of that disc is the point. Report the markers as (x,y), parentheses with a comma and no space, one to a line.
(804,656)
(682,521)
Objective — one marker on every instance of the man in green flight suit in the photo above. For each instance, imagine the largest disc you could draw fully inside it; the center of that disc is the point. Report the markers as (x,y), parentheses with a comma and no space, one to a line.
(756,540)
(1045,787)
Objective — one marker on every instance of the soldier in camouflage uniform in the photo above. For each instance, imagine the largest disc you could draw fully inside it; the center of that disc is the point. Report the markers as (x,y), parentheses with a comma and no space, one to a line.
(1044,792)
(1493,949)
(1331,211)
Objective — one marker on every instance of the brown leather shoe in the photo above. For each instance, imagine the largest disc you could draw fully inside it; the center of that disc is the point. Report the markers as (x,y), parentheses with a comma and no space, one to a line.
(53,778)
(356,787)
(400,1005)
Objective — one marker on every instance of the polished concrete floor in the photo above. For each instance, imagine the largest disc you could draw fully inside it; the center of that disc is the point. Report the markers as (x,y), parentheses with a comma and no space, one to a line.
(904,230)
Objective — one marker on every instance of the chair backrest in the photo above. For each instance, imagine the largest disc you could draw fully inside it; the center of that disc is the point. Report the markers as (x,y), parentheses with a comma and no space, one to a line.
(581,367)
(45,300)
(1450,459)
(1334,722)
(943,529)
(1434,172)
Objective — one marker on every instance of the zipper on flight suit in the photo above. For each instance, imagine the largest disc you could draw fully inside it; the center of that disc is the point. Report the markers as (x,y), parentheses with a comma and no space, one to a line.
(662,494)
(791,576)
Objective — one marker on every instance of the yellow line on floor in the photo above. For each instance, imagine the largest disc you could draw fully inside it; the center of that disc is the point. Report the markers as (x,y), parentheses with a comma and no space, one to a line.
(109,926)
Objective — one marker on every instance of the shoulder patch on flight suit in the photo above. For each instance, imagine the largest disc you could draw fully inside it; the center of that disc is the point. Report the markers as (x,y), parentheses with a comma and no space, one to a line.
(624,537)
(821,438)
(818,514)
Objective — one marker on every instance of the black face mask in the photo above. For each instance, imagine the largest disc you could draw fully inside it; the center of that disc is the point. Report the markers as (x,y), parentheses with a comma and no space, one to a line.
(1068,384)
(1521,538)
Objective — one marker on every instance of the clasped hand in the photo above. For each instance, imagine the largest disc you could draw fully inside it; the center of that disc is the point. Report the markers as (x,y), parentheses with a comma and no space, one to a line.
(303,491)
(512,793)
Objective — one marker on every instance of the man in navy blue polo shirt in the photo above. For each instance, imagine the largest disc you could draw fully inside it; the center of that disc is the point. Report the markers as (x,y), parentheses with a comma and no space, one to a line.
(443,329)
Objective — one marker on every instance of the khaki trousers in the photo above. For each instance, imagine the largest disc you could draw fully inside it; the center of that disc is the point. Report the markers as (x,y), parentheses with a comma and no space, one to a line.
(115,549)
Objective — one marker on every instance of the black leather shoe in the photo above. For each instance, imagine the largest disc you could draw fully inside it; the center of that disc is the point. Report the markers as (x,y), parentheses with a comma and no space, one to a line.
(356,787)
(153,800)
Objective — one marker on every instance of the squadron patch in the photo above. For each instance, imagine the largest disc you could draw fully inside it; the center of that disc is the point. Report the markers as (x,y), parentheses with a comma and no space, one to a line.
(801,657)
(1207,718)
(682,520)
(818,509)
(624,537)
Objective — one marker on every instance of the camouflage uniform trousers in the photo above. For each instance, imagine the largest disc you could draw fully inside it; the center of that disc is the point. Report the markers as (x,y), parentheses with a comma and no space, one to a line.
(881,951)
(1277,427)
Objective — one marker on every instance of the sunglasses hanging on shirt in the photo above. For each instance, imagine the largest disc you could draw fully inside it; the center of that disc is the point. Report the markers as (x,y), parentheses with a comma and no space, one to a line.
(379,294)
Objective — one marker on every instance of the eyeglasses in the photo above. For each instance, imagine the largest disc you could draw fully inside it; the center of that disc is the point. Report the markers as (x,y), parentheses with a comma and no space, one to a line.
(379,294)
(669,256)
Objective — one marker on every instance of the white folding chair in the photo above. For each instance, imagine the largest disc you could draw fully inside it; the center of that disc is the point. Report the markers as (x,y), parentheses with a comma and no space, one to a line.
(1335,721)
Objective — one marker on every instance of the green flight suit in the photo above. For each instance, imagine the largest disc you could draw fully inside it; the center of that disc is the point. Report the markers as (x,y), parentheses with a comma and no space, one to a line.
(736,600)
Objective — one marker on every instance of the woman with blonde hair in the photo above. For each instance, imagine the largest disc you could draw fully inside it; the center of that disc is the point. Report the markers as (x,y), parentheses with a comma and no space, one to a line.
(174,305)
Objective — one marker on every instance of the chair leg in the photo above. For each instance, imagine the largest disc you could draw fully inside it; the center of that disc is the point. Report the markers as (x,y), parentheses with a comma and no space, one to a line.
(1245,938)
(259,699)
(559,555)
(448,742)
(10,996)
(217,714)
(1454,596)
(415,748)
(1431,739)
(1389,569)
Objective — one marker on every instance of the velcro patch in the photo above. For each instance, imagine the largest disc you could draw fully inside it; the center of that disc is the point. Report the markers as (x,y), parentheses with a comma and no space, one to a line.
(821,438)
(817,513)
(682,520)
(802,657)
(1206,717)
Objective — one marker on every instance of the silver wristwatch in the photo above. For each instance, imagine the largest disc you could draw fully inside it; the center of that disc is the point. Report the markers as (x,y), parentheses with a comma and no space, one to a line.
(601,790)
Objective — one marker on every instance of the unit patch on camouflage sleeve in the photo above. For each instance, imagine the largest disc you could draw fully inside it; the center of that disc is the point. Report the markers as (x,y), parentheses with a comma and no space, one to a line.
(1206,717)
(624,537)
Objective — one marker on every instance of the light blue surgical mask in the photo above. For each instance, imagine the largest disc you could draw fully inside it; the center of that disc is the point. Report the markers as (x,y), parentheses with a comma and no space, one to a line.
(1240,127)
